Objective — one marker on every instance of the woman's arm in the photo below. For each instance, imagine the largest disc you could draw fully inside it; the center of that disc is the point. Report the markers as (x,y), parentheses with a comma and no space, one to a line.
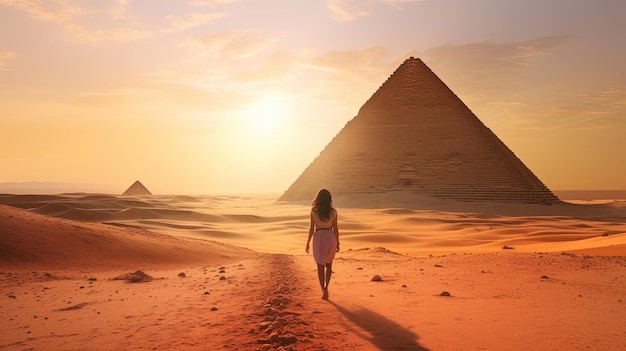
(336,230)
(311,226)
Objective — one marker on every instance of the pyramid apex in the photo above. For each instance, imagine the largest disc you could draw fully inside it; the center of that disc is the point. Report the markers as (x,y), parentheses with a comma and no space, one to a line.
(413,86)
(413,59)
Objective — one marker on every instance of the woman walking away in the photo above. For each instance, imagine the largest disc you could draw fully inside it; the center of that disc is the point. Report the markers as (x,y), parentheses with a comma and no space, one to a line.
(325,236)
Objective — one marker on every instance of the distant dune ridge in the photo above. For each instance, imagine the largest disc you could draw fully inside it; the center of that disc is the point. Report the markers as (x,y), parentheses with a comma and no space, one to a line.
(407,223)
(137,189)
(47,187)
(415,135)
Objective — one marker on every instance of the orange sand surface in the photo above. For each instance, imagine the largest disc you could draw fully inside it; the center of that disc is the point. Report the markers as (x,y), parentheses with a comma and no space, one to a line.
(230,272)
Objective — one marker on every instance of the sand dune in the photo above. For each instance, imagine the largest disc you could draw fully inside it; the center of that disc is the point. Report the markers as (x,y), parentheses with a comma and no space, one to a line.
(248,285)
(43,242)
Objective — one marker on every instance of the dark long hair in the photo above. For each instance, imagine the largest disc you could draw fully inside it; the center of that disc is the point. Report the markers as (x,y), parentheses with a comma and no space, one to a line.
(323,203)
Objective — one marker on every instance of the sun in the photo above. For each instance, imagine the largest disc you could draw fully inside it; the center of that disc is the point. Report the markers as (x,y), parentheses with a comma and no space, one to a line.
(265,122)
(268,113)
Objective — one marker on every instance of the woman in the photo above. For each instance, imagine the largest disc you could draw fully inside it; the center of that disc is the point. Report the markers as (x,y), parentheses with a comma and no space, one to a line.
(323,230)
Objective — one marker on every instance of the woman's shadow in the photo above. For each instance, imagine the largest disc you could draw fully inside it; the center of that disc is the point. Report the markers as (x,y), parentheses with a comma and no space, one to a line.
(385,334)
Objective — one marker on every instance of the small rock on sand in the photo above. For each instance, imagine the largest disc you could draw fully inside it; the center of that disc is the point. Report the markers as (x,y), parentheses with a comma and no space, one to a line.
(135,277)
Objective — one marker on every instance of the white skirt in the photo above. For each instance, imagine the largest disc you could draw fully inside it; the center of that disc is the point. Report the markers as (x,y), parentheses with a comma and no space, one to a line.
(324,246)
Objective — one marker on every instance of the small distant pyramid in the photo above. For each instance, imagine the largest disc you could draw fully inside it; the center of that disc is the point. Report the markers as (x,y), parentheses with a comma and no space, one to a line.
(415,135)
(137,189)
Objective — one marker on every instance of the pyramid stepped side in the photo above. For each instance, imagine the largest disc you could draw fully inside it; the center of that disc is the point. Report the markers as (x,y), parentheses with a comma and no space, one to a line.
(414,134)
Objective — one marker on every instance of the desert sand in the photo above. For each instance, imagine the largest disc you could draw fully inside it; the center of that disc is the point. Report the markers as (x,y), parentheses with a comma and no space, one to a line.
(102,272)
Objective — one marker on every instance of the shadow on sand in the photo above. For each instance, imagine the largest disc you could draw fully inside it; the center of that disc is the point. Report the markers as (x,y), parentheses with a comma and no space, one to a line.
(385,334)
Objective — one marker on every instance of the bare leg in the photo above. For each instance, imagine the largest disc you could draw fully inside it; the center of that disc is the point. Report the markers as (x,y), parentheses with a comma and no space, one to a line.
(320,275)
(329,271)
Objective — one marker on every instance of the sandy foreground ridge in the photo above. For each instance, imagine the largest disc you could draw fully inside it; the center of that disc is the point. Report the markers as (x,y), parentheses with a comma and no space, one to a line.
(101,272)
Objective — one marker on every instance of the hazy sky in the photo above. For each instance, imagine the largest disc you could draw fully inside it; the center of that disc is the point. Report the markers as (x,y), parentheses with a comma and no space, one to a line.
(222,96)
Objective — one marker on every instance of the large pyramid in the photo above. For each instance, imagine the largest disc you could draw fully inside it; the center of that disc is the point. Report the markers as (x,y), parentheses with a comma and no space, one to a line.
(137,189)
(415,135)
